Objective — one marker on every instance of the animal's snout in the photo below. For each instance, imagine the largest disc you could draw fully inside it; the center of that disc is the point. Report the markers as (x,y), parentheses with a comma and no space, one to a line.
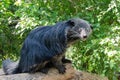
(85,36)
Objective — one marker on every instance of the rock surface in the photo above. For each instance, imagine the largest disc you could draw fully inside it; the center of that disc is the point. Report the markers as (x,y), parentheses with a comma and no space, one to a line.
(71,74)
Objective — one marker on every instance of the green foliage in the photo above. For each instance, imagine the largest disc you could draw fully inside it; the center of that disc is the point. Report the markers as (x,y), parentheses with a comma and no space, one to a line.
(99,54)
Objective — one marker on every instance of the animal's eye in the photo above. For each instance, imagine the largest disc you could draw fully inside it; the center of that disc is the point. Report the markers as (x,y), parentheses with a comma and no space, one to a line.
(88,30)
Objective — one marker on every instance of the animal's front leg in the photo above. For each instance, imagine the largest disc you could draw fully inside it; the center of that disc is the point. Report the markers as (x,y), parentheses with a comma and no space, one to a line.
(44,70)
(64,60)
(39,68)
(57,62)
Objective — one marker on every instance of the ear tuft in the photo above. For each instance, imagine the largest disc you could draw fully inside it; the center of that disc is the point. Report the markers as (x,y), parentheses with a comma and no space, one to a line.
(71,23)
(91,26)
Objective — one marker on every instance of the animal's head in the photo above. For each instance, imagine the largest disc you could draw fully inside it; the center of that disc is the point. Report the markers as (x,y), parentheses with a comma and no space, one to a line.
(78,29)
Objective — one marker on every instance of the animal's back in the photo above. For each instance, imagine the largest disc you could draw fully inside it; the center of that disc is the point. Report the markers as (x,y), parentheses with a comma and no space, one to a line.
(38,31)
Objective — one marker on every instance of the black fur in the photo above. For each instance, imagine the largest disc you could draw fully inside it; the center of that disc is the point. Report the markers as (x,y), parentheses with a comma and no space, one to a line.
(45,46)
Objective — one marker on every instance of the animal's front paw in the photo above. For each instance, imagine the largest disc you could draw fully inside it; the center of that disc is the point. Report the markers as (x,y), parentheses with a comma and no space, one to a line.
(44,70)
(62,69)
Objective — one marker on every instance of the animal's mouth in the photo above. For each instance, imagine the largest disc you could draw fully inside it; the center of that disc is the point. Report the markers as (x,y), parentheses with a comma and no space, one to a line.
(79,36)
(84,39)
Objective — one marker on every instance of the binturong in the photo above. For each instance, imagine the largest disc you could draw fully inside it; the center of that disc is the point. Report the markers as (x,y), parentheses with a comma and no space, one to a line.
(45,47)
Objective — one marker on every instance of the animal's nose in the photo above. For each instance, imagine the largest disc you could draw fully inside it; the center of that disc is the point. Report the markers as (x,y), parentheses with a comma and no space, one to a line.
(85,36)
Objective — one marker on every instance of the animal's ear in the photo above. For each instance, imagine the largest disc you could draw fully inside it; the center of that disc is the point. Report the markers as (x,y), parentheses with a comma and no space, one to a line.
(71,22)
(91,26)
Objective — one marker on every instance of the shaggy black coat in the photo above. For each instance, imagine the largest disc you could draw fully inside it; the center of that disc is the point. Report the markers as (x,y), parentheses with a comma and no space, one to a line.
(42,44)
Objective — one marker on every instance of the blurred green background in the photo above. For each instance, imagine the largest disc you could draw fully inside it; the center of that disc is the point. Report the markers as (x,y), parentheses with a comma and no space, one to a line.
(100,54)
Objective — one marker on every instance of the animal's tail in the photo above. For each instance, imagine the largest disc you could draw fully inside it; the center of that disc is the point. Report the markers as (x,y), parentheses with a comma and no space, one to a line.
(9,67)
